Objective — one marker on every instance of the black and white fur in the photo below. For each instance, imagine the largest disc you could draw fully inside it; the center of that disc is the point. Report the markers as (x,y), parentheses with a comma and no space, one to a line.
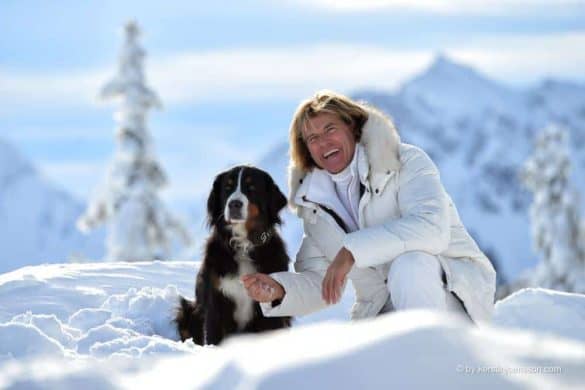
(242,209)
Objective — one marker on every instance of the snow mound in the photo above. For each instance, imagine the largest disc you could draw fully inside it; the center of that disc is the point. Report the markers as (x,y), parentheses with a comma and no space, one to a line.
(96,310)
(110,326)
(414,349)
(537,309)
(18,340)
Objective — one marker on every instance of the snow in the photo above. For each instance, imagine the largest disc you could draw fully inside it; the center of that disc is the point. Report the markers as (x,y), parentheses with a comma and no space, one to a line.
(554,312)
(95,309)
(109,325)
(20,340)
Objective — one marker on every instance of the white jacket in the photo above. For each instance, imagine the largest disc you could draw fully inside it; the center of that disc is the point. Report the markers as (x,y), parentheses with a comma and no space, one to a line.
(404,208)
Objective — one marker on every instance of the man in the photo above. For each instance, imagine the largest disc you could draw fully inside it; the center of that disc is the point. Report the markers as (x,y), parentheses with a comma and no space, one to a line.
(374,211)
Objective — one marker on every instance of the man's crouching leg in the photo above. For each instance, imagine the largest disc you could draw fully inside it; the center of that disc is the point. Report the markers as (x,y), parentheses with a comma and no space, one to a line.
(415,281)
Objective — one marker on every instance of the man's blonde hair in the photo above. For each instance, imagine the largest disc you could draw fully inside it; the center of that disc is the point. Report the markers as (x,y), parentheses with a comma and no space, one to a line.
(351,113)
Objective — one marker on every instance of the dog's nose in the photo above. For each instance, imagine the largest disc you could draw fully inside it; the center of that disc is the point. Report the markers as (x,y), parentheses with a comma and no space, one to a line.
(236,204)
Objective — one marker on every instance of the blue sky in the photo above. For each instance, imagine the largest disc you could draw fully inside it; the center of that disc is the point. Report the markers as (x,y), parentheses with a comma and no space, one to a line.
(73,34)
(228,68)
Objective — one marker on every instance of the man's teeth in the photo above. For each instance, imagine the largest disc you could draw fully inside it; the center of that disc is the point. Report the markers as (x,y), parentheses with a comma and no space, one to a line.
(329,153)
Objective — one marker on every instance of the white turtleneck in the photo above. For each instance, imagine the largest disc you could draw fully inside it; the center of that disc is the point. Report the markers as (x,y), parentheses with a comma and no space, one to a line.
(347,188)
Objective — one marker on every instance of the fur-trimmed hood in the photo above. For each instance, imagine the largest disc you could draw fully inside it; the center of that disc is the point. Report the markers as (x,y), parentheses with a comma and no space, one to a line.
(380,141)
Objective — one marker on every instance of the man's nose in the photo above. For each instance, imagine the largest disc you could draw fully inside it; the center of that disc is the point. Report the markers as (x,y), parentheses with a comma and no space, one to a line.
(324,141)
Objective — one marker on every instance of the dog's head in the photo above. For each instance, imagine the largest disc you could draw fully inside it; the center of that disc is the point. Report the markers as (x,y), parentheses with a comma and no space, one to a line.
(246,196)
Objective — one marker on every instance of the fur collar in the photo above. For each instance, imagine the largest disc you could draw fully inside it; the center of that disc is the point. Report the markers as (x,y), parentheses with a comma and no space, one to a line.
(381,143)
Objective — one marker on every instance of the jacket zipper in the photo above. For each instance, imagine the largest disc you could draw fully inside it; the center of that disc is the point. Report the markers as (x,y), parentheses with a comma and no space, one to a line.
(335,216)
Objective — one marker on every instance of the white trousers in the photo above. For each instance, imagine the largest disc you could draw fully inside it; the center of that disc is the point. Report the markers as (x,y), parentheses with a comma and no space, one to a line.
(415,281)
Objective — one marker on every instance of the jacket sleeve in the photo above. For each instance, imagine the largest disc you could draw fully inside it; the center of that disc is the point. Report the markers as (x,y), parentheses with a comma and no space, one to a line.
(302,287)
(423,224)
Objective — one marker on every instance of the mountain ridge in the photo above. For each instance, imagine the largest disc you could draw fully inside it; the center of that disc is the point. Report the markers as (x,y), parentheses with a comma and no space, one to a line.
(37,218)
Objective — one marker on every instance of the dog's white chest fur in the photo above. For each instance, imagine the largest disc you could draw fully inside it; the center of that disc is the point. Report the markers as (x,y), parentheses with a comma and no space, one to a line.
(232,287)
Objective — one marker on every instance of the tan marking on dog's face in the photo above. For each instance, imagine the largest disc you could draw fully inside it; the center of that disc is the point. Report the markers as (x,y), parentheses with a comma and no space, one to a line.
(253,212)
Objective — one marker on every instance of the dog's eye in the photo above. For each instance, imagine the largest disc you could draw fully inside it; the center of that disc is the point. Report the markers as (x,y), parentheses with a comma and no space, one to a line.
(252,187)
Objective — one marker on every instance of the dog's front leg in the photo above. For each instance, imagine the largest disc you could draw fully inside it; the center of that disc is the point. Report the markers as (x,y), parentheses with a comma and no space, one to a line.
(214,332)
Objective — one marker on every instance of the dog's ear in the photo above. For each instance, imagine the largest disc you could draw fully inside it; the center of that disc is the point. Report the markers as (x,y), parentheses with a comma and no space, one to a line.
(213,203)
(277,201)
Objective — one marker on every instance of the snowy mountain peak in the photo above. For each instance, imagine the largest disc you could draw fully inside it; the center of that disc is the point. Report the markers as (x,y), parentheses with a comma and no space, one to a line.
(444,66)
(445,70)
(449,86)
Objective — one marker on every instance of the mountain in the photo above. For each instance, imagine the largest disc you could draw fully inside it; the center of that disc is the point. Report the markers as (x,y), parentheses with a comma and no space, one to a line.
(479,132)
(37,219)
(445,87)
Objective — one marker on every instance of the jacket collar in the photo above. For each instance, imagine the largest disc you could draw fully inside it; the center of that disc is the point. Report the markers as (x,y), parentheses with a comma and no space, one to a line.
(380,142)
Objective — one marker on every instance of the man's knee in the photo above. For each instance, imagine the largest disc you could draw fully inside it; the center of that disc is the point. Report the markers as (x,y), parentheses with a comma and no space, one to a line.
(414,280)
(413,266)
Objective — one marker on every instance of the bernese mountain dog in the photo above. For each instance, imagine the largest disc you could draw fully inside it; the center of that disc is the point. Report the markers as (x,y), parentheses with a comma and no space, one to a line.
(242,211)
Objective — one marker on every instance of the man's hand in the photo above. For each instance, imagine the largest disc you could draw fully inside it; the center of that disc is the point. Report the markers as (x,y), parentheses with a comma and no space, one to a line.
(335,276)
(262,288)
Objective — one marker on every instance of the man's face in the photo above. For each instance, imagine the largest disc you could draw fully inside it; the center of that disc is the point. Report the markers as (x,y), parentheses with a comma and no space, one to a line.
(330,142)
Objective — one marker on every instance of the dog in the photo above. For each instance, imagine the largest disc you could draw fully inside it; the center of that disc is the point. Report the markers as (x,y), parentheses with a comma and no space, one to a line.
(242,211)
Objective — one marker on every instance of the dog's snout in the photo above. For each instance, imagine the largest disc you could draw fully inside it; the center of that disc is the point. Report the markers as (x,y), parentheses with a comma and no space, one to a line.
(236,208)
(236,204)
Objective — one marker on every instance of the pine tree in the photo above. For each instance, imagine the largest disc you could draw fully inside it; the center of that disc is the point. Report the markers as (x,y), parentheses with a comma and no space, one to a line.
(556,226)
(139,226)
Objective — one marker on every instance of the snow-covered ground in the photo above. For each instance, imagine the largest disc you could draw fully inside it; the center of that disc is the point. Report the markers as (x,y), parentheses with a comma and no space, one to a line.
(109,325)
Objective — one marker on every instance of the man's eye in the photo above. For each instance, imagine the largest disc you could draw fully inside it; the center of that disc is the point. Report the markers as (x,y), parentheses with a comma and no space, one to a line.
(331,129)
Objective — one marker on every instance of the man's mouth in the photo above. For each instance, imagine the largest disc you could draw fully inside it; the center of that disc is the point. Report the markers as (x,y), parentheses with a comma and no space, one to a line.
(330,153)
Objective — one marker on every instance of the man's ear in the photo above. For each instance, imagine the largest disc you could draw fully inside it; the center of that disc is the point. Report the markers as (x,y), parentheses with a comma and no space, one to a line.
(213,203)
(277,201)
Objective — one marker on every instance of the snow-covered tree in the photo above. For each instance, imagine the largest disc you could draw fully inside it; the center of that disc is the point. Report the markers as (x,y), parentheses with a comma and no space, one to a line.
(139,225)
(556,225)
